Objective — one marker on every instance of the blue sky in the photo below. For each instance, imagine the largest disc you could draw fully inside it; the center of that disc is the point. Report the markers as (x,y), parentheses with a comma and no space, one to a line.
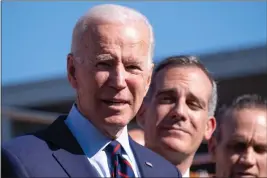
(36,36)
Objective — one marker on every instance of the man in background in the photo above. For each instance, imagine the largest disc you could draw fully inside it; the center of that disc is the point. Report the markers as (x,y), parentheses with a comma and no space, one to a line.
(138,136)
(178,112)
(239,144)
(110,67)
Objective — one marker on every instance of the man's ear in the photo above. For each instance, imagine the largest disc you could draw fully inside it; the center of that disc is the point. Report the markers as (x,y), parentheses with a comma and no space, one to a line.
(210,128)
(140,116)
(71,70)
(149,78)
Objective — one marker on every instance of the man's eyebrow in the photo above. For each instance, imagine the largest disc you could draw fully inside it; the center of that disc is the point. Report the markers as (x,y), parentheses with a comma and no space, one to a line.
(104,57)
(261,144)
(132,61)
(165,91)
(242,140)
(238,138)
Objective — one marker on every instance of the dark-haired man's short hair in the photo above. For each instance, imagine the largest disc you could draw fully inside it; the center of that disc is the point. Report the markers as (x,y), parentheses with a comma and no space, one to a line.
(186,61)
(246,101)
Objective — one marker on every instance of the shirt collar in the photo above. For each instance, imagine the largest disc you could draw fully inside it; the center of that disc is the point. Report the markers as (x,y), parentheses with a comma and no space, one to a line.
(123,139)
(89,137)
(187,173)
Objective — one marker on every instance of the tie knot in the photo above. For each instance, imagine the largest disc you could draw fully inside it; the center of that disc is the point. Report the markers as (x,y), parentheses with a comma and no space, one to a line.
(114,148)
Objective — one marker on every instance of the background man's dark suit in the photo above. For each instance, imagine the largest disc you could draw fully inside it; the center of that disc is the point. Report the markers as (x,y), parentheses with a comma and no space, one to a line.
(54,152)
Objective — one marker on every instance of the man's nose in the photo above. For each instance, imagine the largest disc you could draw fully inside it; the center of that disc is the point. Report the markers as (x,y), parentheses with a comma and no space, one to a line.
(117,78)
(248,157)
(179,111)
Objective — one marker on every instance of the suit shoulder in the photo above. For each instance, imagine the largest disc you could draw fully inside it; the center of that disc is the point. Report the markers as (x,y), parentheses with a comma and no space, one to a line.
(22,144)
(156,156)
(17,152)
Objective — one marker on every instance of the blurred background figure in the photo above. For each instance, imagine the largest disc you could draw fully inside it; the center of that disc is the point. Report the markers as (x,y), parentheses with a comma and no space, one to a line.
(239,145)
(200,159)
(137,135)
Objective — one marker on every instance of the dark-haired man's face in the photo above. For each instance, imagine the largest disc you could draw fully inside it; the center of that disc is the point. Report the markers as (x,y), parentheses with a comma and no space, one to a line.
(176,119)
(242,150)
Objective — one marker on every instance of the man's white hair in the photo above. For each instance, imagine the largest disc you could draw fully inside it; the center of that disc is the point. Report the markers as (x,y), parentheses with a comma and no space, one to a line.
(108,13)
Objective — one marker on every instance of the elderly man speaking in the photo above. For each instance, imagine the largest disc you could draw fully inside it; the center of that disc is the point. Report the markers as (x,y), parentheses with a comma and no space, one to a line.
(110,67)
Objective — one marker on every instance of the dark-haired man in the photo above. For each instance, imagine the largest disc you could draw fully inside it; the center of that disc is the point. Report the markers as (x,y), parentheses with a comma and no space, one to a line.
(178,111)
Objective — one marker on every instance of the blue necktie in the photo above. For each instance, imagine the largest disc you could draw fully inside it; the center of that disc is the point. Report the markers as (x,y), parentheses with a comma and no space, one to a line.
(119,166)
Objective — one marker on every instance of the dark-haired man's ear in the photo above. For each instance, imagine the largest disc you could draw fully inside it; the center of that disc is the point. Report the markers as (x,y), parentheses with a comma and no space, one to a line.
(140,116)
(149,79)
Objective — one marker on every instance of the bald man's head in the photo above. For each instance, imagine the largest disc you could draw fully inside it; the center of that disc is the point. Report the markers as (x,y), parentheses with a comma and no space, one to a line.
(107,14)
(110,63)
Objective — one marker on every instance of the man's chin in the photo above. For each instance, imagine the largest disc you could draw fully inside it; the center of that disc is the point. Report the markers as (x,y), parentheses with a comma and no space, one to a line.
(113,127)
(117,120)
(174,145)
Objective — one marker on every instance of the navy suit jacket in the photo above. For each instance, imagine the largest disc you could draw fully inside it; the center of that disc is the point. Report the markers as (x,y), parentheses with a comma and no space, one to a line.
(54,152)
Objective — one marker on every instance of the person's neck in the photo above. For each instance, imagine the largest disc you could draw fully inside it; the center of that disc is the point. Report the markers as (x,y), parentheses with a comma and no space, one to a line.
(185,164)
(111,132)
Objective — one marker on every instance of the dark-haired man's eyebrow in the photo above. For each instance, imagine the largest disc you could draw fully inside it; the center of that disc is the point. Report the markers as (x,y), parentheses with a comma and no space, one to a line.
(165,91)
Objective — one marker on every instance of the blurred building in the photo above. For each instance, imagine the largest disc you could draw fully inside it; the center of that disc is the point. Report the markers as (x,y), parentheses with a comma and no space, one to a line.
(31,106)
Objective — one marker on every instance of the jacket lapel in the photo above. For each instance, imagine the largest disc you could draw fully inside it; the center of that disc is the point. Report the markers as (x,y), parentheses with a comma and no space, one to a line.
(145,164)
(74,165)
(66,150)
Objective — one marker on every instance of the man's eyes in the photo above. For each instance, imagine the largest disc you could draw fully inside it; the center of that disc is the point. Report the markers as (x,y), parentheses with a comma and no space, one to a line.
(169,99)
(193,105)
(103,65)
(107,65)
(238,147)
(133,67)
(260,149)
(165,100)
(241,147)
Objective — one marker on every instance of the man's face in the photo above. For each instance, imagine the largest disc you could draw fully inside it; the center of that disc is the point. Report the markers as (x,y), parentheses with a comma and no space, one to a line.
(176,119)
(115,74)
(242,151)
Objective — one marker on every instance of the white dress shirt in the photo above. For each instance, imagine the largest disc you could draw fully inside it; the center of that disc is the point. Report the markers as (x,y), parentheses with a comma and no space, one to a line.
(93,143)
(187,173)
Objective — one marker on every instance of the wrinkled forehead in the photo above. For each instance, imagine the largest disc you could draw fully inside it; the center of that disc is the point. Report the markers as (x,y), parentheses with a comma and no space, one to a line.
(248,123)
(134,36)
(135,31)
(249,117)
(188,79)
